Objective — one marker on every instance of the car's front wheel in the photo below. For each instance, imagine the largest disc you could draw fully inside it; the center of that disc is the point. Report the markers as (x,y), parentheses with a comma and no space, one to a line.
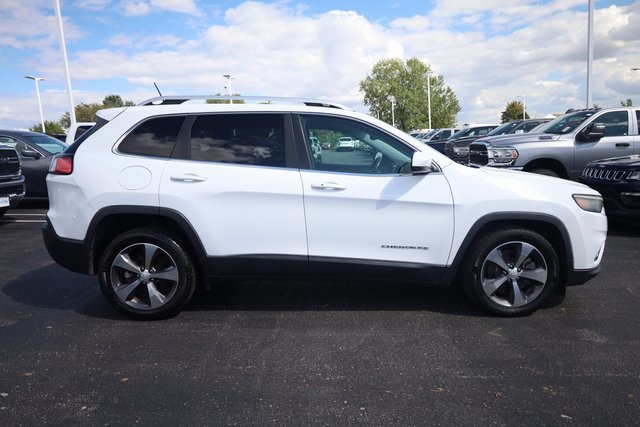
(147,274)
(511,272)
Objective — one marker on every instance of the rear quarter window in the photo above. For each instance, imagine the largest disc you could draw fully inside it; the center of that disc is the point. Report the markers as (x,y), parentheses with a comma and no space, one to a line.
(155,137)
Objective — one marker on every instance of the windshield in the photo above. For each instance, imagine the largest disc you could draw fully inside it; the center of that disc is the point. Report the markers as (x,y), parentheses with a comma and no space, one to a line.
(503,129)
(460,133)
(566,123)
(427,135)
(47,143)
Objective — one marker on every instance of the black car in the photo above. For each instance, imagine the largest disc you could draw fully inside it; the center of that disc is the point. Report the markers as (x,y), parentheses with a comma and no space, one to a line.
(458,149)
(618,180)
(36,151)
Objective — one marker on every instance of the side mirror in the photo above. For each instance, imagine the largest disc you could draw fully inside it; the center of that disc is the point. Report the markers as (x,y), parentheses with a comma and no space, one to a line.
(32,154)
(592,131)
(420,163)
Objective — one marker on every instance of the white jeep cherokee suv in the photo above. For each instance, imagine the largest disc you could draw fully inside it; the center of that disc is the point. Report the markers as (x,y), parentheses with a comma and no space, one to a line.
(159,198)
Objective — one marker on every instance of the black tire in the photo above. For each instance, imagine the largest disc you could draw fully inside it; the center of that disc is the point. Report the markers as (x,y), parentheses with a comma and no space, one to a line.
(547,172)
(510,272)
(147,274)
(3,211)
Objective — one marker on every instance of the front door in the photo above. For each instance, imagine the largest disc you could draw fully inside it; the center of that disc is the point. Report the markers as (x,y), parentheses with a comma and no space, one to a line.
(362,205)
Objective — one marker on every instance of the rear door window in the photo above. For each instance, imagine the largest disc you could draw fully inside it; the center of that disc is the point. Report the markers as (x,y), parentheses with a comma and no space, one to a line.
(244,138)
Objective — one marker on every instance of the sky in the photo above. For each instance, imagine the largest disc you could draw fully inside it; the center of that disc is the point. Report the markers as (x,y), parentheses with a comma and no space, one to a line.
(490,52)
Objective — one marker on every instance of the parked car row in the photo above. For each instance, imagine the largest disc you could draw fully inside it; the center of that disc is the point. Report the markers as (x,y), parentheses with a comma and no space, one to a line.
(599,147)
(457,147)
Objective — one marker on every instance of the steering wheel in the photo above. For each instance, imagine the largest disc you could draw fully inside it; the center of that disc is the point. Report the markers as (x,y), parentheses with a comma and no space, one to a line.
(377,159)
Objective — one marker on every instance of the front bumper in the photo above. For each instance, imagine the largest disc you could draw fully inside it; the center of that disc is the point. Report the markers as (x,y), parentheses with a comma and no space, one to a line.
(578,277)
(13,189)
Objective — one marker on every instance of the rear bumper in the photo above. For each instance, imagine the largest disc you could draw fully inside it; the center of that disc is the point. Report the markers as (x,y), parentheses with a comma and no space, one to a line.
(71,254)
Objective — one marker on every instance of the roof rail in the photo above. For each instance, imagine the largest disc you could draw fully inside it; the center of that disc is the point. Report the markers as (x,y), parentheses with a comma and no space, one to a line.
(180,99)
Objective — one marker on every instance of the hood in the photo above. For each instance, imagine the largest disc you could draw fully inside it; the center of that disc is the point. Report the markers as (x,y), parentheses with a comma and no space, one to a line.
(632,161)
(465,140)
(518,138)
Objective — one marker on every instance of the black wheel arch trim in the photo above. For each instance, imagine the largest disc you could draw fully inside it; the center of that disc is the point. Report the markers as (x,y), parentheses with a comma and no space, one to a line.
(152,212)
(516,219)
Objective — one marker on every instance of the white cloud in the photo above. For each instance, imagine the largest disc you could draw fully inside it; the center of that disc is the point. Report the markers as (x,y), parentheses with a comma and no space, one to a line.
(145,7)
(488,52)
(135,8)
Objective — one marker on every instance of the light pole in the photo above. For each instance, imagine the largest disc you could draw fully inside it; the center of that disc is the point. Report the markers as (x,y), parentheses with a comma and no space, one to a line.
(229,77)
(63,48)
(393,116)
(524,106)
(429,96)
(589,52)
(36,80)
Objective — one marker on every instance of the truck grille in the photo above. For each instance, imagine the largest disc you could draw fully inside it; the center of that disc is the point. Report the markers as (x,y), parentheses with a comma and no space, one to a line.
(9,163)
(478,154)
(605,174)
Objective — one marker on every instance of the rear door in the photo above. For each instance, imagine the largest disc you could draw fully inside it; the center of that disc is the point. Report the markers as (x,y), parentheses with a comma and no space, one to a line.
(236,190)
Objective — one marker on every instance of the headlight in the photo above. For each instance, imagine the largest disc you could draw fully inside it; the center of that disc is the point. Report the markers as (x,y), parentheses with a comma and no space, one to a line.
(634,175)
(589,202)
(461,150)
(504,156)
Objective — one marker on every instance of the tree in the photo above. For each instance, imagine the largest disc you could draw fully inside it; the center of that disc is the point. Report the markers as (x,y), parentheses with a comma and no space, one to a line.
(49,126)
(112,101)
(87,112)
(513,111)
(627,103)
(226,101)
(406,84)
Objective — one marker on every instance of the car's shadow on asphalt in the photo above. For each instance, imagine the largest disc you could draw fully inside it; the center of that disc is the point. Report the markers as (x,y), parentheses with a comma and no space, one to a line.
(327,295)
(54,288)
(339,295)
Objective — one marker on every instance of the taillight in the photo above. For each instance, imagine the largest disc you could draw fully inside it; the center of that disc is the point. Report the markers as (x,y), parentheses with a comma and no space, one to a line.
(61,165)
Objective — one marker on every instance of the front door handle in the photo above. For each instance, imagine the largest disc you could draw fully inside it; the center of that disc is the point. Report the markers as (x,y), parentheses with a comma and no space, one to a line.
(328,186)
(188,177)
(623,144)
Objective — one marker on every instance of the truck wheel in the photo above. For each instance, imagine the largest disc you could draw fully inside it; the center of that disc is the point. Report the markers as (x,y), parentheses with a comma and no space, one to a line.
(547,172)
(511,272)
(146,274)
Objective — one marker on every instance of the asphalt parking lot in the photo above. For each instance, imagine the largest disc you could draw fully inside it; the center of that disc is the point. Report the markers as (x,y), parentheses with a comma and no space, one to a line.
(302,353)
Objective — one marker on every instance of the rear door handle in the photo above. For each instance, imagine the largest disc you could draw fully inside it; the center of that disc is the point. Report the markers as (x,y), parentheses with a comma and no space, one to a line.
(328,186)
(188,177)
(623,144)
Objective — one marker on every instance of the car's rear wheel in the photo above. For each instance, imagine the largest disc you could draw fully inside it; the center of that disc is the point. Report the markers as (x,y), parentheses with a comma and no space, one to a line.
(147,274)
(511,272)
(3,211)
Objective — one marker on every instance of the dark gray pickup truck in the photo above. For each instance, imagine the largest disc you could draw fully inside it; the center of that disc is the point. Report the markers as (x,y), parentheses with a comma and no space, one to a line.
(565,145)
(11,179)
